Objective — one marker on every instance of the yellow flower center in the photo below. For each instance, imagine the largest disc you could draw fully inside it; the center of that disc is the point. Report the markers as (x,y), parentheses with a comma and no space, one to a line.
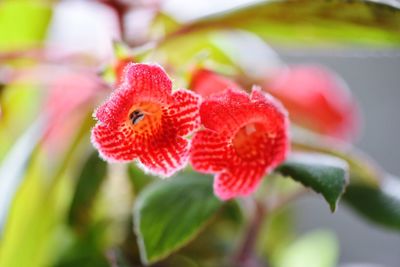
(145,118)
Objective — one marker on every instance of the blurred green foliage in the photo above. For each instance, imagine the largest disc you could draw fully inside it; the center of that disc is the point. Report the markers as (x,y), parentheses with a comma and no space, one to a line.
(319,248)
(23,24)
(376,204)
(309,22)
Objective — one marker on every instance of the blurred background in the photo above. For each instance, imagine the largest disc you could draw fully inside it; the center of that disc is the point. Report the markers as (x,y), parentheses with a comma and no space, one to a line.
(373,75)
(374,79)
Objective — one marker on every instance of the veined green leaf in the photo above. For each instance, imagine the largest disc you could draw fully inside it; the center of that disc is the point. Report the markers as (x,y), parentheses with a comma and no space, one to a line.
(324,174)
(309,21)
(170,213)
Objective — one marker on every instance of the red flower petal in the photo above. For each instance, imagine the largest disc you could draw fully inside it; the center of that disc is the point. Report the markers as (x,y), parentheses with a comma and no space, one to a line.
(225,112)
(238,182)
(206,82)
(142,83)
(184,112)
(148,83)
(117,144)
(144,121)
(247,136)
(317,99)
(209,151)
(165,158)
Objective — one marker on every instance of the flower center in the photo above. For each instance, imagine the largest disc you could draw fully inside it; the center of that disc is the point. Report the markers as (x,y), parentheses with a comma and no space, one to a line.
(136,116)
(145,117)
(249,140)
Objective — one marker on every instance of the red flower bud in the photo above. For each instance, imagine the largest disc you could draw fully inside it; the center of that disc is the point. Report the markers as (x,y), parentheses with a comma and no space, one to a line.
(206,82)
(119,68)
(316,99)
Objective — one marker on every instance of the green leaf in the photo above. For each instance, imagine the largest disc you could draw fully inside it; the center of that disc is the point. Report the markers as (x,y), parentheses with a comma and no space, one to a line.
(362,169)
(324,174)
(88,184)
(170,213)
(379,205)
(23,23)
(319,248)
(309,22)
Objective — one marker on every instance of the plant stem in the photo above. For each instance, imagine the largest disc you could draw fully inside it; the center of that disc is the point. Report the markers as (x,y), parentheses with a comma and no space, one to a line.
(244,255)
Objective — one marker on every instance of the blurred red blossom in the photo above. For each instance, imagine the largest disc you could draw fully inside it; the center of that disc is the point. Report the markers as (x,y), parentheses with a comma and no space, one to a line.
(207,82)
(119,68)
(144,120)
(244,138)
(70,98)
(316,98)
(69,91)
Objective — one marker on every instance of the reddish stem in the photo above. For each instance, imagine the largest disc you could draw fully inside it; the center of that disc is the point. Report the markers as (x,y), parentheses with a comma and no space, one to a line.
(120,8)
(244,256)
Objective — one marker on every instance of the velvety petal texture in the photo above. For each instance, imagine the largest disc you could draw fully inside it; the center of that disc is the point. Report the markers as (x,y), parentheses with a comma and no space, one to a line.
(144,121)
(245,137)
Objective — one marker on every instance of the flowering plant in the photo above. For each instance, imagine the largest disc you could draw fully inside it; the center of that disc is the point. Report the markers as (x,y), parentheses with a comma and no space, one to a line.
(182,143)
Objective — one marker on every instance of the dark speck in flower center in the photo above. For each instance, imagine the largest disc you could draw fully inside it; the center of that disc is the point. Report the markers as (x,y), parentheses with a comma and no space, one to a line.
(136,116)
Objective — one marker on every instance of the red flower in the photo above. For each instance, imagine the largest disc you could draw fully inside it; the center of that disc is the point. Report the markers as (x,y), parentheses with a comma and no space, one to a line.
(206,82)
(316,99)
(144,120)
(244,138)
(119,68)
